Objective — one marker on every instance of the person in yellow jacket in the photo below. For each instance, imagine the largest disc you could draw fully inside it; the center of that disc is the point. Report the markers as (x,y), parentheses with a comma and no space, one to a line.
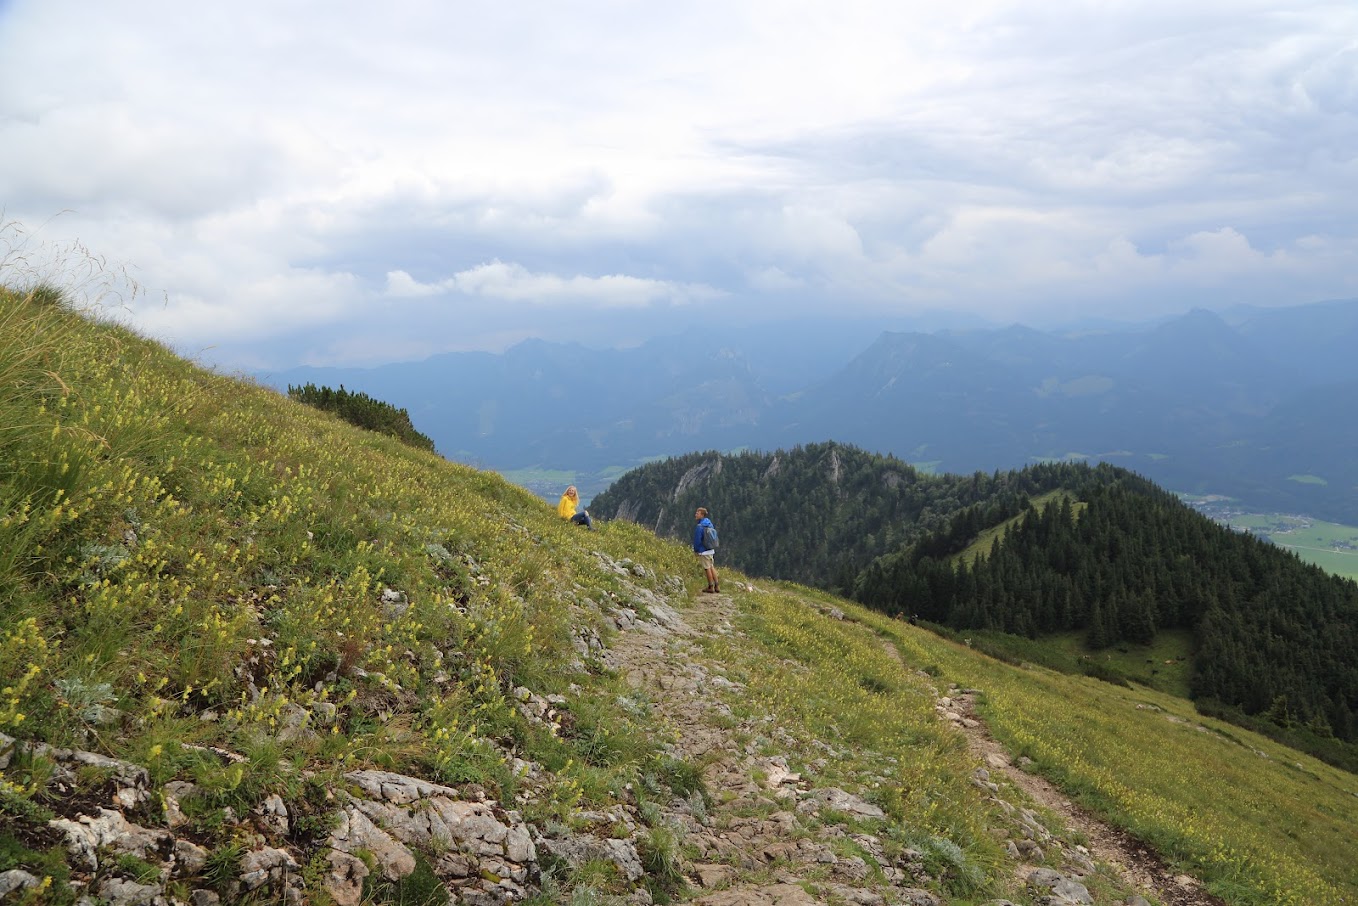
(565,508)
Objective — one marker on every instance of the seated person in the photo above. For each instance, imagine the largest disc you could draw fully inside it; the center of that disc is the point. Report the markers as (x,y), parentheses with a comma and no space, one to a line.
(566,508)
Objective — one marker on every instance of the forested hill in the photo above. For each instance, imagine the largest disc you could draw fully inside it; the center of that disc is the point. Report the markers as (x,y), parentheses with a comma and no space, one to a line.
(820,514)
(1111,555)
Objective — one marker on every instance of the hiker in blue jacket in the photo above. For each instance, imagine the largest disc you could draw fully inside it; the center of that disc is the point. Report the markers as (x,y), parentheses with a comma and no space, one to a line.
(705,546)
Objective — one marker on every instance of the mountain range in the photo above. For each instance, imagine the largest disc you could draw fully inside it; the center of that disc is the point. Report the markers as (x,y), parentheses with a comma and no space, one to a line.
(1252,403)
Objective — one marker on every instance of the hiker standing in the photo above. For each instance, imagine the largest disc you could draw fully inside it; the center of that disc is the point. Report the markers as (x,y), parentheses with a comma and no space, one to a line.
(565,508)
(705,546)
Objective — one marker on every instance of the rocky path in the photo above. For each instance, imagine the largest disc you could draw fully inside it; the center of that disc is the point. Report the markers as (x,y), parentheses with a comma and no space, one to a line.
(1138,865)
(759,840)
(758,843)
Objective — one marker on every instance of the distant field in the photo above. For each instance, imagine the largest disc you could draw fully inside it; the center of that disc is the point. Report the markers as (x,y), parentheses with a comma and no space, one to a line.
(1329,545)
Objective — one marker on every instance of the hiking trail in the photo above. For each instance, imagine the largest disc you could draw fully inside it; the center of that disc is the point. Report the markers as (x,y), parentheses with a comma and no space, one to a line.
(757,841)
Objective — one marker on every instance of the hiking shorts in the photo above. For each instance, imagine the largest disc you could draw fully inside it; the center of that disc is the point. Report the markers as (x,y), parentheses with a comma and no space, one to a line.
(707,559)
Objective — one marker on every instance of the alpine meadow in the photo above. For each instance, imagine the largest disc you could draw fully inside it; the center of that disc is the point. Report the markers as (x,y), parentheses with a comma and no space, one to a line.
(252,653)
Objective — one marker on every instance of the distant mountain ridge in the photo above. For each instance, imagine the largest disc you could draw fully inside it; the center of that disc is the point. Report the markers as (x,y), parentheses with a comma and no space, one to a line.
(1255,404)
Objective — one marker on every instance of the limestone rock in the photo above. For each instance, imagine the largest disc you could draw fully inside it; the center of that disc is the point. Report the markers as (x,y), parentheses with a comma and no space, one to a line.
(171,795)
(15,879)
(485,854)
(189,859)
(784,894)
(394,603)
(578,849)
(397,788)
(917,896)
(858,896)
(267,866)
(272,815)
(1069,893)
(122,892)
(1044,878)
(840,801)
(711,875)
(344,879)
(111,831)
(356,833)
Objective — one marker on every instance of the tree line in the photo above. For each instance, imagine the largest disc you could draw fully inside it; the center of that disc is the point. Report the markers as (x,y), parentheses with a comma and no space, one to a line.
(364,411)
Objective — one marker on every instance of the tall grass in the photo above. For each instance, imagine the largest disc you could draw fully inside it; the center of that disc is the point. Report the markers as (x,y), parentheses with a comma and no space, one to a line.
(209,563)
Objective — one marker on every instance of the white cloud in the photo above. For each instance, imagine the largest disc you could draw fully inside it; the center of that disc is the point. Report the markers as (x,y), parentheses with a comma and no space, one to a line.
(269,171)
(515,283)
(773,280)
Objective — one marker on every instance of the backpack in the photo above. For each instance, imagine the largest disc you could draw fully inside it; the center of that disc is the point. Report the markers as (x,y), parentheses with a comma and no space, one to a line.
(709,538)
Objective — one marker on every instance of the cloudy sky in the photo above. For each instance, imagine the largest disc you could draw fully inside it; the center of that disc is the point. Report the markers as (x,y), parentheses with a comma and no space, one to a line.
(327,181)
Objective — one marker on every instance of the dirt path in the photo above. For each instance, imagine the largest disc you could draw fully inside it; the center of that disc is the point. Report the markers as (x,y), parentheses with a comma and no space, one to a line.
(1136,863)
(761,840)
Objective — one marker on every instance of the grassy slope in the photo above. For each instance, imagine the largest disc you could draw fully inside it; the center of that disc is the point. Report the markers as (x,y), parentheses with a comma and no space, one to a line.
(1262,823)
(197,515)
(1163,665)
(179,545)
(985,542)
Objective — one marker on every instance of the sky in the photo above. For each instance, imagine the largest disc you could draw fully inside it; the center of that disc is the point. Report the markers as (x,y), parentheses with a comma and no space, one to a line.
(266,184)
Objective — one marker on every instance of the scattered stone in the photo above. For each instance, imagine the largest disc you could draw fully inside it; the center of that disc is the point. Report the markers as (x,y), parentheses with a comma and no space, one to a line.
(189,859)
(122,892)
(1044,878)
(272,815)
(267,866)
(110,831)
(711,875)
(394,603)
(858,896)
(577,849)
(783,894)
(295,723)
(15,879)
(840,801)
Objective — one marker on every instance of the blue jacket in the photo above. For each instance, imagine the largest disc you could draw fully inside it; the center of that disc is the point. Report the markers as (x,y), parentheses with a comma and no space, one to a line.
(698,546)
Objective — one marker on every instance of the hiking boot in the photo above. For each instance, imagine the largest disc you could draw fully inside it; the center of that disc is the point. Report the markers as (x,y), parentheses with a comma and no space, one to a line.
(709,590)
